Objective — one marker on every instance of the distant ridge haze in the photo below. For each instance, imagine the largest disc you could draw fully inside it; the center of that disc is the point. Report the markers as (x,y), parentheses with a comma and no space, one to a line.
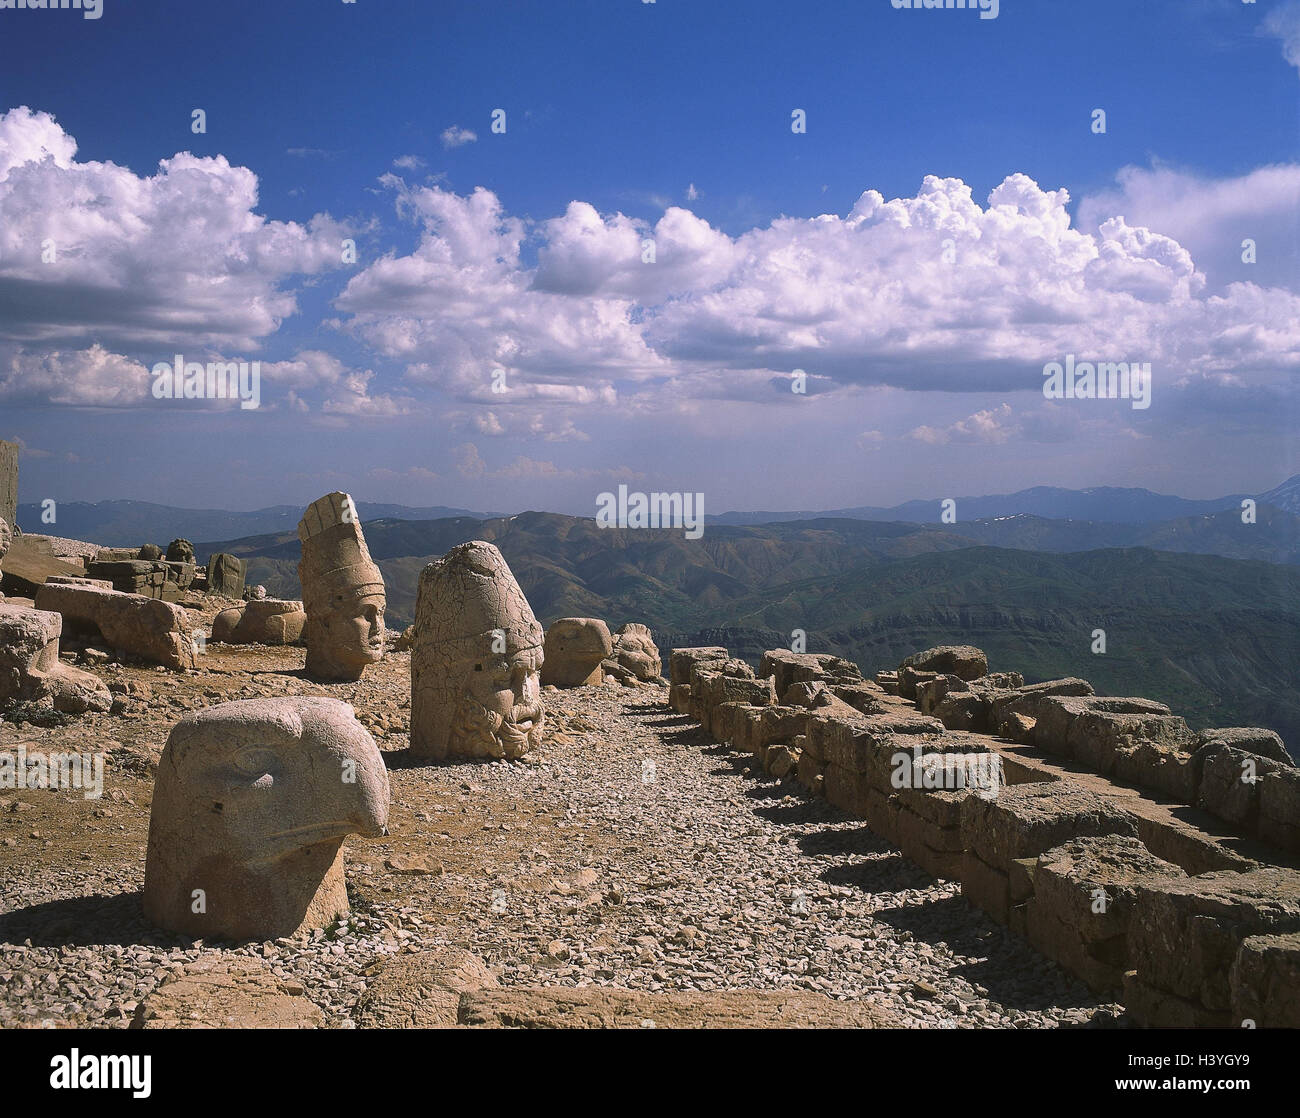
(124,523)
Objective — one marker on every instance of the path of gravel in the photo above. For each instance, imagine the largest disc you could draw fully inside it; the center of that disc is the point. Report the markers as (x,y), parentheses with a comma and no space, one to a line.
(628,852)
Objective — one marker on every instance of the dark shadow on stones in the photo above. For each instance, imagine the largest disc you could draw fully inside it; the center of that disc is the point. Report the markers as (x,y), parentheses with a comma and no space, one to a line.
(849,840)
(87,921)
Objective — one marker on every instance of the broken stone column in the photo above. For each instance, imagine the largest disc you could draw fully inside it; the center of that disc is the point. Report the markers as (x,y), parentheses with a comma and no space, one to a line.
(476,663)
(342,591)
(9,482)
(574,648)
(251,806)
(30,668)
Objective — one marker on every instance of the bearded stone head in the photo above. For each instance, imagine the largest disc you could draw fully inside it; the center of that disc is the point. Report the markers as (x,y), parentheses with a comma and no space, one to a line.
(476,661)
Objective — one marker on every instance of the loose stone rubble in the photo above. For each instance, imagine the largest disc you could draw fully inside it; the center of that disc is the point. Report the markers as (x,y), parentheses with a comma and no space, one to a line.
(253,801)
(477,659)
(342,591)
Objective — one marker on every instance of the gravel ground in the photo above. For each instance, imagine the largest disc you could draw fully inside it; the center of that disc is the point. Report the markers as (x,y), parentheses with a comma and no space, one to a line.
(628,852)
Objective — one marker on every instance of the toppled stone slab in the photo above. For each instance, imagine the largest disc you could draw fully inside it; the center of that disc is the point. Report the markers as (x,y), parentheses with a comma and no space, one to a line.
(1231,783)
(1023,821)
(145,627)
(682,660)
(227,992)
(962,660)
(30,668)
(1249,739)
(421,990)
(598,1007)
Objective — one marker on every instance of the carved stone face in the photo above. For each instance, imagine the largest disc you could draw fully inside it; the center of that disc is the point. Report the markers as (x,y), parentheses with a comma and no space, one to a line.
(252,803)
(347,637)
(499,712)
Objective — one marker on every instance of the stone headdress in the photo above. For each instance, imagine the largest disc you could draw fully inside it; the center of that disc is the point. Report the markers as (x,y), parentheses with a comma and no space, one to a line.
(336,567)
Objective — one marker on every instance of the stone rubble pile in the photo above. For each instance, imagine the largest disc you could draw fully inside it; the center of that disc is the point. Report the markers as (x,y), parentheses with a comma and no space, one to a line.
(1057,810)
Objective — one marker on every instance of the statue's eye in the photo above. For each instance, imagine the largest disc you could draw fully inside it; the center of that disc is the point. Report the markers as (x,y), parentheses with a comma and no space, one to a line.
(256,761)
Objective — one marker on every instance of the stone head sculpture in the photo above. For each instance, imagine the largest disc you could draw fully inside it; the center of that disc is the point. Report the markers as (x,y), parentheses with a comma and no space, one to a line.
(342,591)
(476,661)
(251,805)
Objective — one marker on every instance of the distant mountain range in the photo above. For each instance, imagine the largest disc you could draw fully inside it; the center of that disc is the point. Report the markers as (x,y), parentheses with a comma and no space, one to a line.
(1105,504)
(1218,639)
(131,523)
(123,523)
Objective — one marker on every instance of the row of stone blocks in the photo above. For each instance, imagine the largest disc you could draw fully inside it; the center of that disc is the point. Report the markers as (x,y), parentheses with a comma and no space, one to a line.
(1056,862)
(1243,776)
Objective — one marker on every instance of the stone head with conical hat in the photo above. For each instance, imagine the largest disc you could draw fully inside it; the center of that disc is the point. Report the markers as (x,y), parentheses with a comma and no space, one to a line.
(342,591)
(476,661)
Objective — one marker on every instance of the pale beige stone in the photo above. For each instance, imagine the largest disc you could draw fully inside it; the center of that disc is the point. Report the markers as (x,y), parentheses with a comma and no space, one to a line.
(636,651)
(30,668)
(261,621)
(150,629)
(574,648)
(252,802)
(475,667)
(342,591)
(227,992)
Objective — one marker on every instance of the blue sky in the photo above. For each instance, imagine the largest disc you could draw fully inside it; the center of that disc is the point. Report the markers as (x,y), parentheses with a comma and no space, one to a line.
(668,121)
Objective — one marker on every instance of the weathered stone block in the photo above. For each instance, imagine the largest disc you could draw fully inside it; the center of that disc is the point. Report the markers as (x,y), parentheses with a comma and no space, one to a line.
(963,660)
(145,627)
(681,660)
(1027,819)
(1264,983)
(573,650)
(1185,933)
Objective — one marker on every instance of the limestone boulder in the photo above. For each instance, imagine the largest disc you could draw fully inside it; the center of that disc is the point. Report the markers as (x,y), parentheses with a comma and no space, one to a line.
(30,668)
(227,992)
(261,621)
(574,648)
(252,803)
(1249,739)
(1185,935)
(1264,982)
(152,630)
(962,660)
